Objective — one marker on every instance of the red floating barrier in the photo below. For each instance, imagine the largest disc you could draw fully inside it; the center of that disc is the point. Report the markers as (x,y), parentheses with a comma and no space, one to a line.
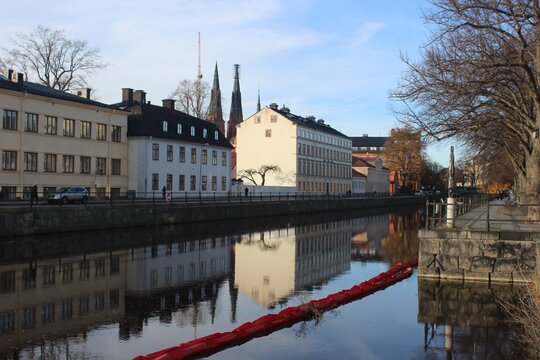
(286,317)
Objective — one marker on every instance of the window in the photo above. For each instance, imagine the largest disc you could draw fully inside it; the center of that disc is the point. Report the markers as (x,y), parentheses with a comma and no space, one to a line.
(257,119)
(273,118)
(116,133)
(204,183)
(31,122)
(216,135)
(192,183)
(168,275)
(67,272)
(86,130)
(85,165)
(30,161)
(84,305)
(50,125)
(223,183)
(28,318)
(67,309)
(214,157)
(155,181)
(165,125)
(101,166)
(9,160)
(169,153)
(101,131)
(204,156)
(69,127)
(7,281)
(10,120)
(155,151)
(47,313)
(214,183)
(179,129)
(181,182)
(192,131)
(49,163)
(49,273)
(268,132)
(69,163)
(182,154)
(193,155)
(115,166)
(169,182)
(224,158)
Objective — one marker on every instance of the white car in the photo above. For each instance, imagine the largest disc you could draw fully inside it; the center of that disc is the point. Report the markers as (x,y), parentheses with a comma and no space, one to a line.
(68,194)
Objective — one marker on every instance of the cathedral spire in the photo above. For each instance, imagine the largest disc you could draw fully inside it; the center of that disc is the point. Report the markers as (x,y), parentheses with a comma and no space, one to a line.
(215,112)
(235,117)
(259,100)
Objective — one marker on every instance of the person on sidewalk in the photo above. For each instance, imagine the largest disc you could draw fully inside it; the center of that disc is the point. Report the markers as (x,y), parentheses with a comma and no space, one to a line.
(33,195)
(163,191)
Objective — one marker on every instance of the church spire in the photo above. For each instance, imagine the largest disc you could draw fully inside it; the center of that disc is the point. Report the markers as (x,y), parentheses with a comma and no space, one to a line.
(215,112)
(235,116)
(259,100)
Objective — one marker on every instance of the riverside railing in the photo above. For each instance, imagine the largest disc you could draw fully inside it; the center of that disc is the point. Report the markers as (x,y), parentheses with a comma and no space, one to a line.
(495,215)
(182,197)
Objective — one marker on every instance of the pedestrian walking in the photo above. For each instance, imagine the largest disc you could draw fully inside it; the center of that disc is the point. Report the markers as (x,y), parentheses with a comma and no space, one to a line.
(246,191)
(164,191)
(33,195)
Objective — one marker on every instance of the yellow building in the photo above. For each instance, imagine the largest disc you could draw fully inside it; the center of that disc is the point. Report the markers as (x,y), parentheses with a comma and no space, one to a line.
(312,156)
(52,138)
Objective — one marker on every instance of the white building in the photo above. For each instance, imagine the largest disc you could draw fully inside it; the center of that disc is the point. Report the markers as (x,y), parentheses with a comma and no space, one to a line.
(52,138)
(312,156)
(378,177)
(171,149)
(359,182)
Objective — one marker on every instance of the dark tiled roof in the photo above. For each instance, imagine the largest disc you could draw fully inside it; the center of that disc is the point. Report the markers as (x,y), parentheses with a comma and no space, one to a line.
(312,124)
(359,141)
(42,90)
(359,162)
(148,121)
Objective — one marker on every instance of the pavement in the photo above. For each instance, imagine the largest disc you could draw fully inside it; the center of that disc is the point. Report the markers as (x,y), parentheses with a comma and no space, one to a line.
(503,216)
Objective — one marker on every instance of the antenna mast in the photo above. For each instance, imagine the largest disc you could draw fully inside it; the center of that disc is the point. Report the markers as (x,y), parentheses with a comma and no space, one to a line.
(199,73)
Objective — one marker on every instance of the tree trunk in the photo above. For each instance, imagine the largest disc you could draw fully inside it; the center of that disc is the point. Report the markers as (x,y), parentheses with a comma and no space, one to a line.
(531,184)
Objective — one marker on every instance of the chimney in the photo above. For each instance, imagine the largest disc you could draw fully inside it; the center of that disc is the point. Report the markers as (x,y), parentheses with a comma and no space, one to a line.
(139,96)
(365,135)
(284,109)
(127,96)
(168,103)
(320,121)
(84,92)
(273,106)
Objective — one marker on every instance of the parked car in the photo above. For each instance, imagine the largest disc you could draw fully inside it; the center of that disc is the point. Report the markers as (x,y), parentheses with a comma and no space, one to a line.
(68,194)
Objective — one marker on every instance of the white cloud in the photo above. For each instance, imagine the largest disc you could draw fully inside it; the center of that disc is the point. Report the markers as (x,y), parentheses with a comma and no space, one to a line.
(365,32)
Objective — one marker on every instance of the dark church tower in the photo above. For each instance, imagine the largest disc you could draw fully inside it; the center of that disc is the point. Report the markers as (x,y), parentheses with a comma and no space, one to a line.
(235,116)
(215,112)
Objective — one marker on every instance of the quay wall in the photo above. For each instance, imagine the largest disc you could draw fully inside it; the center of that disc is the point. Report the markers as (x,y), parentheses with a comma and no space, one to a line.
(19,221)
(464,255)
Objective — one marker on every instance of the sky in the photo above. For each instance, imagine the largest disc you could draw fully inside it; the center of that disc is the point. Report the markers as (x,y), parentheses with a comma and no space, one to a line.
(335,60)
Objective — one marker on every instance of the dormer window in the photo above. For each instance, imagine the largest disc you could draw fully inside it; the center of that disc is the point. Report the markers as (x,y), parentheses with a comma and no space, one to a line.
(179,129)
(204,133)
(165,126)
(193,131)
(216,135)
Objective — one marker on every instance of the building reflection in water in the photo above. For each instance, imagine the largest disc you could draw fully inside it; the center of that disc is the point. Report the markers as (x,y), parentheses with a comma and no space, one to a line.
(271,265)
(55,289)
(466,319)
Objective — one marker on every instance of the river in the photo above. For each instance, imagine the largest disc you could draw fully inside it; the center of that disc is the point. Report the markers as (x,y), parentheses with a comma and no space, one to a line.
(122,293)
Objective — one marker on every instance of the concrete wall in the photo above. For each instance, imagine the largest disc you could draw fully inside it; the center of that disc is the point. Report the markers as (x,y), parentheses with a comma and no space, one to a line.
(39,220)
(478,255)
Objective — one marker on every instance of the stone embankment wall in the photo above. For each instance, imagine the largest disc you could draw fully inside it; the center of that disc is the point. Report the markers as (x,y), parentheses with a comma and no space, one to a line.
(478,255)
(54,219)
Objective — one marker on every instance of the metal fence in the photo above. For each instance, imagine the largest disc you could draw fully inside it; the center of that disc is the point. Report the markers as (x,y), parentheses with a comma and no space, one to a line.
(495,215)
(185,197)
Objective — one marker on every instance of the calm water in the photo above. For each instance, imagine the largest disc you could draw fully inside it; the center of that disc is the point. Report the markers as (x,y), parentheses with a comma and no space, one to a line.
(115,295)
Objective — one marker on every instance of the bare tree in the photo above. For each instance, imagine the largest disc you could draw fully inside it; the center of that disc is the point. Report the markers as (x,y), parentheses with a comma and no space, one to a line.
(192,97)
(477,82)
(54,60)
(403,153)
(254,175)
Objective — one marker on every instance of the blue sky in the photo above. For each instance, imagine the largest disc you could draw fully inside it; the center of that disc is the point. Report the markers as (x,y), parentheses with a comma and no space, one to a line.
(336,60)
